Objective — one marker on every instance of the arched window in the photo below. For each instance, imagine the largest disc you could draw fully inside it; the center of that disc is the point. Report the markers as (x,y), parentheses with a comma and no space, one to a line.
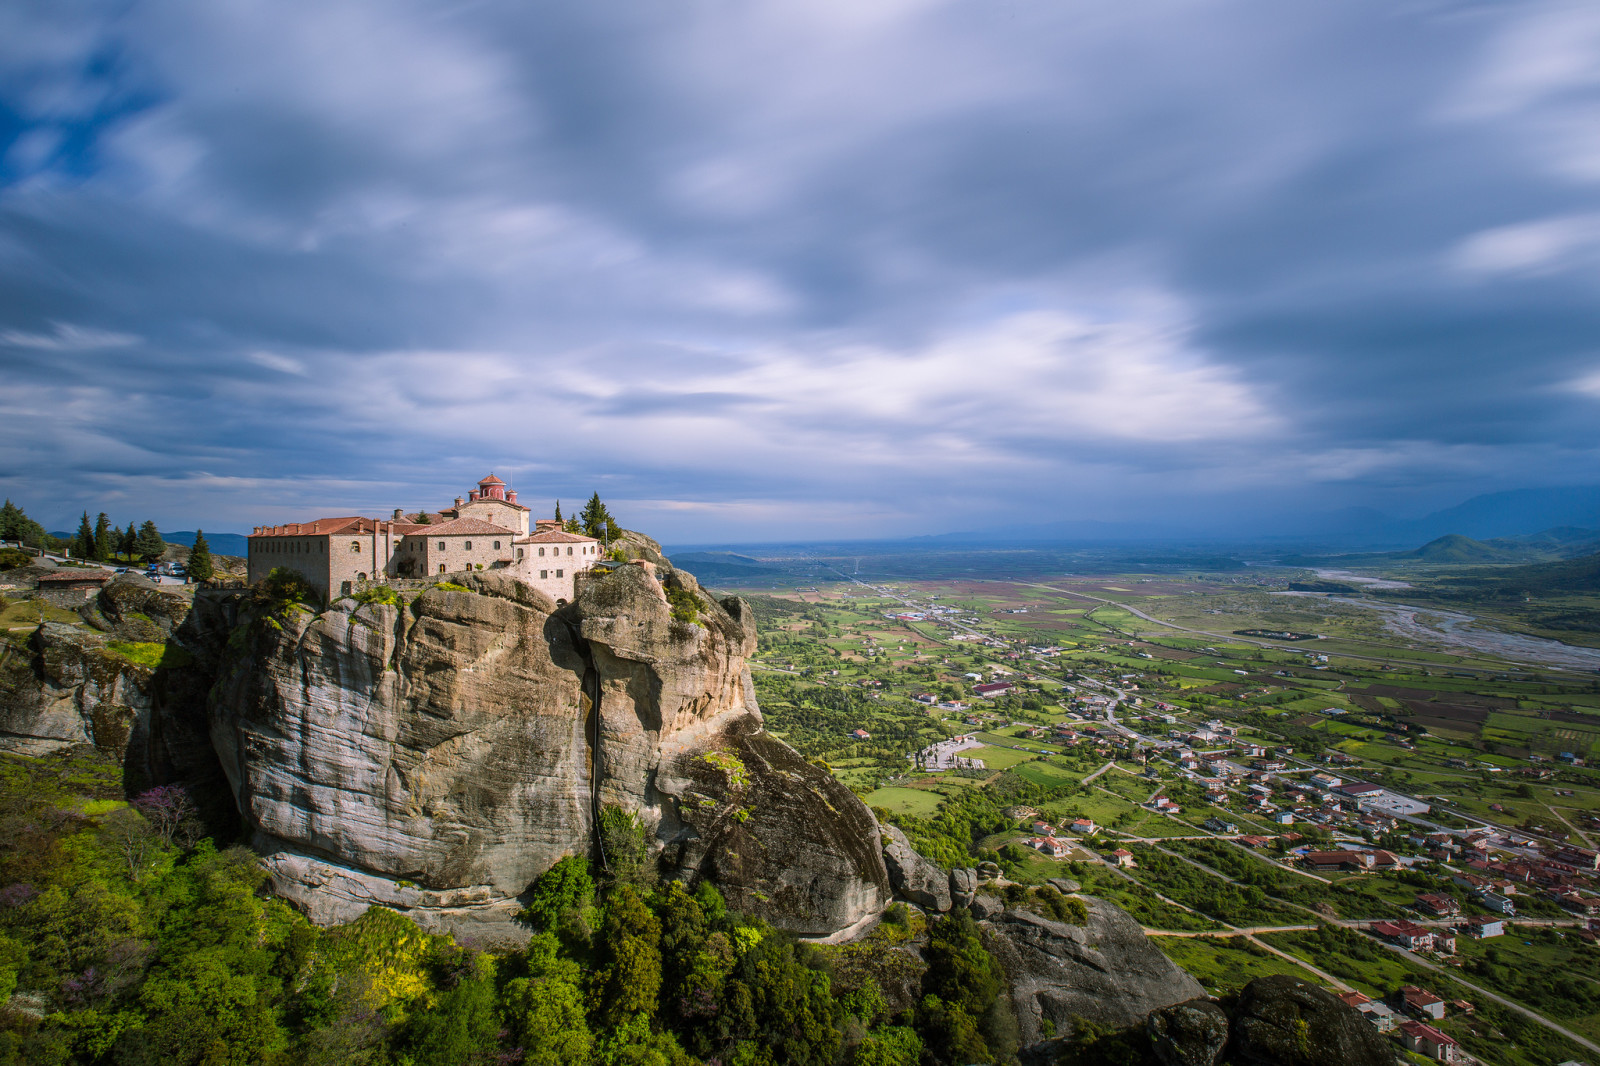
(441,545)
(467,546)
(541,552)
(519,553)
(361,577)
(496,545)
(569,551)
(355,545)
(441,568)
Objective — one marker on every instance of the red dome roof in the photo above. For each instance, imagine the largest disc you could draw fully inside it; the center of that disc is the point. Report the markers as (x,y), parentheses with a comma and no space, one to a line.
(491,480)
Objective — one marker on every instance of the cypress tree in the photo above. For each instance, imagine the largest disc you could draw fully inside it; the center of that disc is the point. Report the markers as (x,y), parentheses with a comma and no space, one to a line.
(558,510)
(129,543)
(105,538)
(83,543)
(200,568)
(149,544)
(11,517)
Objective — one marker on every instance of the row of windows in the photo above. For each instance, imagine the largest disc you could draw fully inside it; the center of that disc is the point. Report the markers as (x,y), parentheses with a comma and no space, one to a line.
(293,547)
(546,573)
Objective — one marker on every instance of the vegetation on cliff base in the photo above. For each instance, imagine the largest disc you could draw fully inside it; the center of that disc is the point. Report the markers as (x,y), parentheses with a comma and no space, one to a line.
(124,939)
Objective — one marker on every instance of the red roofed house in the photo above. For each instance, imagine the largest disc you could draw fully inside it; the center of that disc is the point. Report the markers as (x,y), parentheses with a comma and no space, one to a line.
(1421,1003)
(1123,857)
(1427,1041)
(993,689)
(1438,904)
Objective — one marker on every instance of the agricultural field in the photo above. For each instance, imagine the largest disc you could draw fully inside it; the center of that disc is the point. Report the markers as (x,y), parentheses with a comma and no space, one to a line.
(1101,677)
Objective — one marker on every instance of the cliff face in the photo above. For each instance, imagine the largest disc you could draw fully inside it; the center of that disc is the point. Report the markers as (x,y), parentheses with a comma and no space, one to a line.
(438,758)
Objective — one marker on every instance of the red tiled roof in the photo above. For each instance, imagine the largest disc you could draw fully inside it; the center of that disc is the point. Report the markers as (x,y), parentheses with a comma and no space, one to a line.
(491,480)
(1426,1032)
(556,536)
(458,527)
(319,527)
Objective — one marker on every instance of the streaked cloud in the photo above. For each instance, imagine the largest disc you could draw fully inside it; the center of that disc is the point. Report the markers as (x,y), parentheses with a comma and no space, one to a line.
(784,268)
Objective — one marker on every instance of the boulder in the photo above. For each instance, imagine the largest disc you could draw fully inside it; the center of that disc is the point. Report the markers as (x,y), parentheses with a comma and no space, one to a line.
(910,875)
(1065,885)
(963,886)
(1283,1021)
(1104,971)
(1192,1033)
(985,906)
(438,759)
(131,607)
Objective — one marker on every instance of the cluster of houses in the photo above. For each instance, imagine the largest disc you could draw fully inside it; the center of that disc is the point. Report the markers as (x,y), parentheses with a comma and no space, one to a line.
(1408,1013)
(1044,837)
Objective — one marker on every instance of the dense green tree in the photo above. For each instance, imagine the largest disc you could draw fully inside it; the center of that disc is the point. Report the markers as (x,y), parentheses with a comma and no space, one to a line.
(129,543)
(200,567)
(558,511)
(597,520)
(628,976)
(83,540)
(105,538)
(564,888)
(461,1026)
(11,519)
(149,545)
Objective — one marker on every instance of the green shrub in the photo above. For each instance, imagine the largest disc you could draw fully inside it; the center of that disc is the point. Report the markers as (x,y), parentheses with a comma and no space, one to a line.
(282,589)
(379,594)
(155,656)
(685,605)
(450,586)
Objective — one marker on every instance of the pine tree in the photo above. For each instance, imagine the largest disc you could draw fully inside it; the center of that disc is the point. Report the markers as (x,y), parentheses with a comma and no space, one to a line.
(149,544)
(129,543)
(105,538)
(11,517)
(596,519)
(83,543)
(573,526)
(200,568)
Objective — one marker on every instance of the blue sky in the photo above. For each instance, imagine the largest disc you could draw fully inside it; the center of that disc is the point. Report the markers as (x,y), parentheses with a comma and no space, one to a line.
(809,268)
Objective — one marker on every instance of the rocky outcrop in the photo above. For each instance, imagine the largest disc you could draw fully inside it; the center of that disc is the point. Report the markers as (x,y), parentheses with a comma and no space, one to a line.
(65,688)
(963,887)
(634,546)
(1192,1033)
(1283,1021)
(133,608)
(1104,971)
(911,876)
(437,758)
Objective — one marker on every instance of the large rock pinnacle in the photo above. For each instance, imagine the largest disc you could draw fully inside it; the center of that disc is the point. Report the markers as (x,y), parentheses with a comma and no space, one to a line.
(437,758)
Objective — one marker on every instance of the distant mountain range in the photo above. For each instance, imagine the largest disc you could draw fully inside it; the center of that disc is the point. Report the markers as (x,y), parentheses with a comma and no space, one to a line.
(712,566)
(220,543)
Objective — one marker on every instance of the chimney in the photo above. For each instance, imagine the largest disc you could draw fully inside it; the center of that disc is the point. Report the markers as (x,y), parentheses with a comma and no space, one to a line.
(398,515)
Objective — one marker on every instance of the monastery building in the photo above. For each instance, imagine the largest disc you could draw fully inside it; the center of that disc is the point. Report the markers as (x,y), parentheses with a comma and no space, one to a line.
(488,530)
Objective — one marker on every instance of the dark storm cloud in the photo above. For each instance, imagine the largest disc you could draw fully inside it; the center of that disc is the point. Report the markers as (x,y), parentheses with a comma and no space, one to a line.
(791,268)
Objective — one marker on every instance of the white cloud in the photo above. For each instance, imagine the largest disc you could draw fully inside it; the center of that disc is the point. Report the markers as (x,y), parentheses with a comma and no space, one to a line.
(68,338)
(1546,245)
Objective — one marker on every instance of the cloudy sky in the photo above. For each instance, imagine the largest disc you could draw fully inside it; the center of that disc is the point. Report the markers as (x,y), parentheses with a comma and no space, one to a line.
(801,268)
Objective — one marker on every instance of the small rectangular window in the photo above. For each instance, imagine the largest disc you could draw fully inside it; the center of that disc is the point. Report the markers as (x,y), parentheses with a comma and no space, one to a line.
(544,573)
(558,573)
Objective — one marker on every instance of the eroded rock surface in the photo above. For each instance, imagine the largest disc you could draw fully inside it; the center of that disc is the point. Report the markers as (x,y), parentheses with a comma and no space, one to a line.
(1104,971)
(913,877)
(1283,1021)
(438,758)
(1192,1033)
